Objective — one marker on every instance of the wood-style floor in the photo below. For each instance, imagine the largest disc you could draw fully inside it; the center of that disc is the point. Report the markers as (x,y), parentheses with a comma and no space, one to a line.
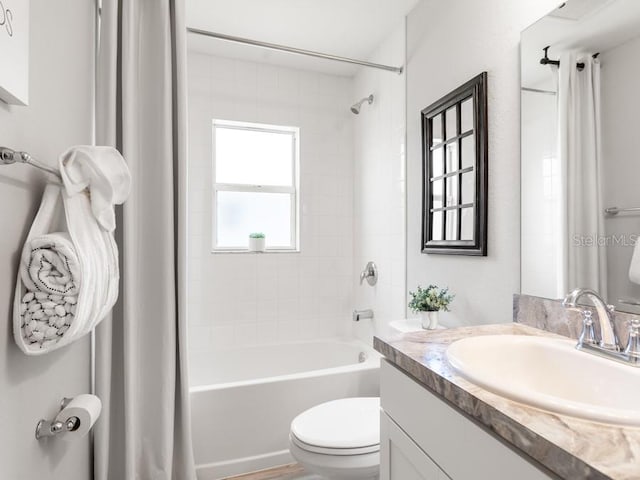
(293,471)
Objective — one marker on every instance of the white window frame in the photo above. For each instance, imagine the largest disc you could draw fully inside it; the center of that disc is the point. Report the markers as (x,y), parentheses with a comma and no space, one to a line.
(294,190)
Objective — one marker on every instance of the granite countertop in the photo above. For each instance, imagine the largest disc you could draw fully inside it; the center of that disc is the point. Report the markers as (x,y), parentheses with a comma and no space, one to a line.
(570,447)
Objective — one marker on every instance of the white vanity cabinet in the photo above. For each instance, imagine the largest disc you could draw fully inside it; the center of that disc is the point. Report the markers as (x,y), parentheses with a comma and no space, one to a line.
(401,458)
(424,438)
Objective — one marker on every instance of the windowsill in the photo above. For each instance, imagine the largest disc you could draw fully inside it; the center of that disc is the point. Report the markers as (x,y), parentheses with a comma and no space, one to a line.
(247,252)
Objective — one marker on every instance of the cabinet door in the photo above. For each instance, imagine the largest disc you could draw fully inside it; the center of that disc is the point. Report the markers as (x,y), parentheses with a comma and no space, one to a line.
(401,458)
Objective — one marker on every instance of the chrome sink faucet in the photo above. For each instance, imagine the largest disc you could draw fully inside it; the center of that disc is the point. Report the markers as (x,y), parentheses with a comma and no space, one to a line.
(608,337)
(608,346)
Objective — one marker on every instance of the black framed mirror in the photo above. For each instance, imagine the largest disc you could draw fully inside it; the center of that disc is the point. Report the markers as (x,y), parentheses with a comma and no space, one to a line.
(454,171)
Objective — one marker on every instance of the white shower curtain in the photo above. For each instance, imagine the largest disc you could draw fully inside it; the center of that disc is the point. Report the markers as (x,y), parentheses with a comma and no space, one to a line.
(582,216)
(144,432)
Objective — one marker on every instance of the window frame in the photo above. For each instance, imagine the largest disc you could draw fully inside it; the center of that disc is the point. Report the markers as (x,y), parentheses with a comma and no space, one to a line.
(293,190)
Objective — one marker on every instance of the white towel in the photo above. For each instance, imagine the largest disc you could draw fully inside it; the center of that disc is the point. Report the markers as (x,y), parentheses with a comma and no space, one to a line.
(104,172)
(50,265)
(48,283)
(634,268)
(82,263)
(45,318)
(50,271)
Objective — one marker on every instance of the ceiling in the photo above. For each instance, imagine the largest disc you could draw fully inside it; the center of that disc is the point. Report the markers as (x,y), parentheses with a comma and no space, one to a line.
(348,28)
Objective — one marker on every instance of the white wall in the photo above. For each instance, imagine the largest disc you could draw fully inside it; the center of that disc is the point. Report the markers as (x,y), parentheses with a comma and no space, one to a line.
(246,299)
(620,147)
(59,115)
(379,187)
(449,43)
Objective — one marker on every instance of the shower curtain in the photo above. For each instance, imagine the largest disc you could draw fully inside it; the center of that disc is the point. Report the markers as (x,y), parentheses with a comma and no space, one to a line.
(582,215)
(140,371)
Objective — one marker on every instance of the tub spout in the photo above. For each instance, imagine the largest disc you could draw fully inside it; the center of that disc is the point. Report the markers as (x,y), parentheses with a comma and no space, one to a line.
(362,314)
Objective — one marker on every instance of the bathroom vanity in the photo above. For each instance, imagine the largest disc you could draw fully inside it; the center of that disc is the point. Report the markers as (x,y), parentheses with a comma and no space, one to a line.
(436,425)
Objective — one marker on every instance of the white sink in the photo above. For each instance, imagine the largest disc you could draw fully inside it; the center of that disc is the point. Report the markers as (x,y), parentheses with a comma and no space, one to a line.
(550,374)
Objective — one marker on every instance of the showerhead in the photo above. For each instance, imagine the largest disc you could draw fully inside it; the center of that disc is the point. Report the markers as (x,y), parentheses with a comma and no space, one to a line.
(355,108)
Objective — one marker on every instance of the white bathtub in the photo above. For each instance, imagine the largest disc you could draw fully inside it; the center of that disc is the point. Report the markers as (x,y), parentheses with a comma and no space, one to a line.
(243,400)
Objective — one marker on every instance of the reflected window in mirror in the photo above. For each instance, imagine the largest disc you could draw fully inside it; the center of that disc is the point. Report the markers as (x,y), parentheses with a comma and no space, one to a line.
(454,149)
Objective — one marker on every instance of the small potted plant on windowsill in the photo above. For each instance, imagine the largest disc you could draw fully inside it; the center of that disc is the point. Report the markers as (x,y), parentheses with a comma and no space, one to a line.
(257,242)
(428,303)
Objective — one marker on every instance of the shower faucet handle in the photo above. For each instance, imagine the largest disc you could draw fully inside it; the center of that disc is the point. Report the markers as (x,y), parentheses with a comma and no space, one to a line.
(370,273)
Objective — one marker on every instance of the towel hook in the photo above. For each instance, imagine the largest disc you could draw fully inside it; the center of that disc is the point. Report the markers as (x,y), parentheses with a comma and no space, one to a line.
(9,156)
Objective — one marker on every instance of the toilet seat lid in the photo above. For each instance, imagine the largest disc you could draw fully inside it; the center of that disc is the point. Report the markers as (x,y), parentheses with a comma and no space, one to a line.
(345,423)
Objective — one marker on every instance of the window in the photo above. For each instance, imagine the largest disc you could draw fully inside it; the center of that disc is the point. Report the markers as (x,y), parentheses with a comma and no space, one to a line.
(255,168)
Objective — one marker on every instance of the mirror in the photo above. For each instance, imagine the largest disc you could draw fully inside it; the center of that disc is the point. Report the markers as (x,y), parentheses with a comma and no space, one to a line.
(580,162)
(454,171)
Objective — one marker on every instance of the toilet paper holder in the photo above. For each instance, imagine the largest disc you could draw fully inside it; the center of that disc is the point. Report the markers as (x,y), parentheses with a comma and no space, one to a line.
(50,428)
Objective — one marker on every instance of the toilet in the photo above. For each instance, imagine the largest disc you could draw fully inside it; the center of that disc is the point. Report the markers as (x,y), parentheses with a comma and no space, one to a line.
(340,439)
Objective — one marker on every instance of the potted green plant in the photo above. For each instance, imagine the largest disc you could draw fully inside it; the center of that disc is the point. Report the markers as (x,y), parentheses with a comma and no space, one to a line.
(257,242)
(428,303)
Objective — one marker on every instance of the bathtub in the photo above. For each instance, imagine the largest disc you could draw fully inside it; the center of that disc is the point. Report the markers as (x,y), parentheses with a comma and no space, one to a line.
(243,400)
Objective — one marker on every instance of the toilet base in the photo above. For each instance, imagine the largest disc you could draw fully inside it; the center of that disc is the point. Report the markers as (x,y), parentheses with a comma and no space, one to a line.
(338,467)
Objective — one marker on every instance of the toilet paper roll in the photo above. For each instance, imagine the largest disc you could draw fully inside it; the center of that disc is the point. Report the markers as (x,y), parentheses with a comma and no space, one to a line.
(86,408)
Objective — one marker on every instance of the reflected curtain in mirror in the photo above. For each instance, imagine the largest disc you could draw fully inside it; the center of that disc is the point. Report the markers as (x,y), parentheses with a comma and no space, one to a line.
(579,141)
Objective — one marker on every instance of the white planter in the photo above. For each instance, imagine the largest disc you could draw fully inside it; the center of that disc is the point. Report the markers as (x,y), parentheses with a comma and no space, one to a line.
(429,320)
(257,244)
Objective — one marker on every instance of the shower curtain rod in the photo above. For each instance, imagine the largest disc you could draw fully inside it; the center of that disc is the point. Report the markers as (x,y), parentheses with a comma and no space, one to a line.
(299,51)
(547,61)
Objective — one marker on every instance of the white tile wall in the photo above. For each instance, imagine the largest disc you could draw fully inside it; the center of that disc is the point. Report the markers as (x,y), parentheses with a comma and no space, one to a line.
(379,188)
(245,299)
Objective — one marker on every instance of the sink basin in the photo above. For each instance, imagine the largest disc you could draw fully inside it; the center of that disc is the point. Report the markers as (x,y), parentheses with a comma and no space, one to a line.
(550,374)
